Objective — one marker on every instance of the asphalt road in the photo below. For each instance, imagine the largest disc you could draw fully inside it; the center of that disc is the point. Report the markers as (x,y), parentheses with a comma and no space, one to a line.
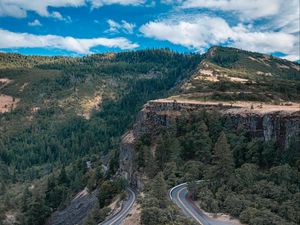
(117,218)
(179,195)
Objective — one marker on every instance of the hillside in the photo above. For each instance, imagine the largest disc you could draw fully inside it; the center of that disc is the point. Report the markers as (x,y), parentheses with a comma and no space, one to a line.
(234,125)
(231,74)
(62,118)
(64,111)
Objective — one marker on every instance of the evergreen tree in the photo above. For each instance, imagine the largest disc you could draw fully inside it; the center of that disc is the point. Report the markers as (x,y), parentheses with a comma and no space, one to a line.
(203,151)
(161,153)
(63,178)
(159,189)
(223,163)
(150,163)
(37,212)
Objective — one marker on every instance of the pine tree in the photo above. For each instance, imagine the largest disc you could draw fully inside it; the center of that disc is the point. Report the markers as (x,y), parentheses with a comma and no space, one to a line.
(63,178)
(197,143)
(150,163)
(223,163)
(203,144)
(37,212)
(161,153)
(159,189)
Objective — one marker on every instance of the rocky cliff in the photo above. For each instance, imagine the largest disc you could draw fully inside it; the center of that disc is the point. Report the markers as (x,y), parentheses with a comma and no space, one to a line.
(278,122)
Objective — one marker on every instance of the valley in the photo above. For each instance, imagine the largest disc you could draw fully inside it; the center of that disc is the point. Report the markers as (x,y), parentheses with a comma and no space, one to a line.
(149,120)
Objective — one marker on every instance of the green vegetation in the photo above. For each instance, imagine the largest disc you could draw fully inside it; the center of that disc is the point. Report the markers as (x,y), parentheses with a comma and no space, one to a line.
(155,206)
(47,132)
(244,176)
(264,78)
(72,111)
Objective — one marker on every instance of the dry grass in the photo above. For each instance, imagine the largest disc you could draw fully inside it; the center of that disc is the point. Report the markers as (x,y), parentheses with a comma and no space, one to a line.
(88,104)
(7,103)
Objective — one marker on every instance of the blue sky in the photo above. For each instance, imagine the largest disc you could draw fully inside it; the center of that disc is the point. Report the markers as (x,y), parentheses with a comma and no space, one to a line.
(79,27)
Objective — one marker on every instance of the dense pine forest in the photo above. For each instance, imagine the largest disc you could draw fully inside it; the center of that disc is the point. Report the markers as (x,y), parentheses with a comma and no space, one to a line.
(62,119)
(241,175)
(45,142)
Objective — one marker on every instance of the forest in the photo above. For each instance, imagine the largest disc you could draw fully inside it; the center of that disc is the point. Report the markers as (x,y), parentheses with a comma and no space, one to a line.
(243,176)
(70,114)
(43,154)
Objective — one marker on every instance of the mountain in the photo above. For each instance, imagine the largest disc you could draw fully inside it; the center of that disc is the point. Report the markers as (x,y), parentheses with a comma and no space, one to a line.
(232,74)
(234,125)
(62,119)
(61,112)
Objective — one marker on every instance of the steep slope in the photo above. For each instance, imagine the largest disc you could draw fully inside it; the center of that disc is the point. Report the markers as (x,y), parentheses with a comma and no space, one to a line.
(231,74)
(236,124)
(64,111)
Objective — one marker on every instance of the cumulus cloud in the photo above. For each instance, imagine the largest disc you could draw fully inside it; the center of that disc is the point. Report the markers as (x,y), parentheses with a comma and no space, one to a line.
(82,46)
(124,26)
(272,26)
(19,8)
(35,23)
(200,32)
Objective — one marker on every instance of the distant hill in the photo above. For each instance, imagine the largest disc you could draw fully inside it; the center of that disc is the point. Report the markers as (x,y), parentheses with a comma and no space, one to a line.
(232,74)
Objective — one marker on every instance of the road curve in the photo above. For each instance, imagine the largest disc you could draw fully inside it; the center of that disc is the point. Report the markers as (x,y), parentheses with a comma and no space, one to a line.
(117,218)
(179,195)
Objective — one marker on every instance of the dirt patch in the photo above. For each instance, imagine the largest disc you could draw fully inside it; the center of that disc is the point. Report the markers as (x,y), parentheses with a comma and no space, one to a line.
(220,217)
(238,80)
(214,75)
(187,86)
(10,218)
(207,78)
(23,86)
(89,104)
(134,217)
(4,81)
(264,74)
(109,56)
(83,106)
(254,59)
(7,103)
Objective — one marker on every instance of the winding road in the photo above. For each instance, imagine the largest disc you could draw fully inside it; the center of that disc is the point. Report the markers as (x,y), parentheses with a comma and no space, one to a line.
(117,218)
(179,195)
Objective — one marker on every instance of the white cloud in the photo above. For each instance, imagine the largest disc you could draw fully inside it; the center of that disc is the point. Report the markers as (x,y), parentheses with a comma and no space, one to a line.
(19,8)
(274,24)
(124,26)
(35,23)
(100,3)
(199,32)
(83,46)
(248,9)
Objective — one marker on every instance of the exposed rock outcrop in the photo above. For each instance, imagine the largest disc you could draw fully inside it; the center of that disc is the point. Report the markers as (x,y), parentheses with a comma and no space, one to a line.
(266,122)
(76,211)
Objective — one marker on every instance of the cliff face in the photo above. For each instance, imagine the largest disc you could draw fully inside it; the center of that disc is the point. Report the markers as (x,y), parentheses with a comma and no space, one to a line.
(127,167)
(266,122)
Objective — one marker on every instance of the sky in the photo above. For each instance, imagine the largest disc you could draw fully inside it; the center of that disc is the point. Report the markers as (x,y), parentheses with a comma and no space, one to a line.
(80,27)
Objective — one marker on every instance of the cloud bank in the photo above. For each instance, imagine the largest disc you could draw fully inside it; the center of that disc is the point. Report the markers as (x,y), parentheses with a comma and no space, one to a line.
(81,46)
(255,25)
(200,32)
